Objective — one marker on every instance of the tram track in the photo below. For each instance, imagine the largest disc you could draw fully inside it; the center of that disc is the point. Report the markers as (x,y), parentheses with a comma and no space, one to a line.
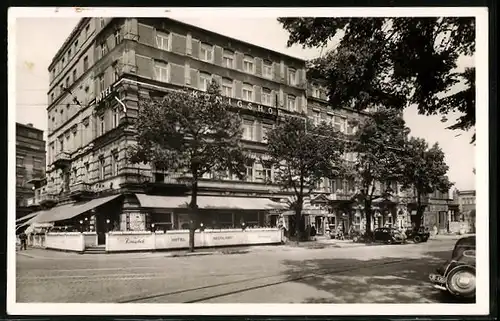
(223,289)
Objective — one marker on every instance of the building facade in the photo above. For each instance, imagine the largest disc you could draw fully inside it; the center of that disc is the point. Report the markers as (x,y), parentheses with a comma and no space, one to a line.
(30,165)
(99,76)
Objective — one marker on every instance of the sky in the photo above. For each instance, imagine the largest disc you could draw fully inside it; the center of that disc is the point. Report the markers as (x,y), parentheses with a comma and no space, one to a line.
(38,39)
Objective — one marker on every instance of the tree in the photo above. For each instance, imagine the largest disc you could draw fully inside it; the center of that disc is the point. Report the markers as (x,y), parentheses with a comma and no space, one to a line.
(302,154)
(393,61)
(196,133)
(425,171)
(379,150)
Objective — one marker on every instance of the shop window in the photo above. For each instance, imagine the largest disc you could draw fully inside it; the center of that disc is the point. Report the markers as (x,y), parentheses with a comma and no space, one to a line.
(225,220)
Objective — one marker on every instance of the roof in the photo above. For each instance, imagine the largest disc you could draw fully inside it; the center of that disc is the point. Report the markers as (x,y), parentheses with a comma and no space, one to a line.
(69,39)
(235,39)
(84,20)
(27,126)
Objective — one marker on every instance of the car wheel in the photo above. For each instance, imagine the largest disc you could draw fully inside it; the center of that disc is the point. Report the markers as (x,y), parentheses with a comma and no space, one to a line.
(355,239)
(417,239)
(461,281)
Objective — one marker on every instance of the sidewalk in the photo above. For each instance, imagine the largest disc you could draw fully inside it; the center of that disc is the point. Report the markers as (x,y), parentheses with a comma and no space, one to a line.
(449,236)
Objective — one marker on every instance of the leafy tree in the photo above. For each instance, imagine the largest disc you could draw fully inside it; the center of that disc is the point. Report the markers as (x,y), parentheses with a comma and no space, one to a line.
(393,61)
(425,171)
(302,154)
(196,133)
(378,147)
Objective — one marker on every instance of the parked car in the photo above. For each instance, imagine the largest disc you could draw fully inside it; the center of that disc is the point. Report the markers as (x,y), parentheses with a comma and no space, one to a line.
(458,275)
(388,235)
(418,235)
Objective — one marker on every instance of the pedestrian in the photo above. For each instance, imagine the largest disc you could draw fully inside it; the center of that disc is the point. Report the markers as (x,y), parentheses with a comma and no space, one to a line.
(23,237)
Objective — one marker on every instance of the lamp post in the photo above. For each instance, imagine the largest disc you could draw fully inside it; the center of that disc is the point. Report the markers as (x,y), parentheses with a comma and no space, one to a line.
(107,225)
(81,226)
(153,227)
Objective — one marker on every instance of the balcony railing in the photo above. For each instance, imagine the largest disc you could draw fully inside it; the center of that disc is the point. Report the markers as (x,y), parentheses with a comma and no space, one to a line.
(46,198)
(62,159)
(80,188)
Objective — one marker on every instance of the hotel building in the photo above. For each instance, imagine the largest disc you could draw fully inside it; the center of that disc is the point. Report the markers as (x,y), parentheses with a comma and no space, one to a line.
(97,78)
(108,65)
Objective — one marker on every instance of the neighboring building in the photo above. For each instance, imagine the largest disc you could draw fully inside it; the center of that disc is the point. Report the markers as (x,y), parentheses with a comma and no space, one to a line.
(30,165)
(109,61)
(464,218)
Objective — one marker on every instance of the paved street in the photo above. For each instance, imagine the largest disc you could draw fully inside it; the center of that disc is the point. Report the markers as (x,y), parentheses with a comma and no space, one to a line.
(368,274)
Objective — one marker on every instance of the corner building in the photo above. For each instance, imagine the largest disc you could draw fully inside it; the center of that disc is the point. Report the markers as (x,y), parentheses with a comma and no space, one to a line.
(97,79)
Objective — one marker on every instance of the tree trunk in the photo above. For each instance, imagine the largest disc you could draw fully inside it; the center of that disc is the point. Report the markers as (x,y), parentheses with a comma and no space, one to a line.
(298,217)
(420,212)
(193,211)
(368,214)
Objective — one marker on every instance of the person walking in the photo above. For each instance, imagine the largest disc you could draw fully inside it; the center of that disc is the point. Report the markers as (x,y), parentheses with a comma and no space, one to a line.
(23,238)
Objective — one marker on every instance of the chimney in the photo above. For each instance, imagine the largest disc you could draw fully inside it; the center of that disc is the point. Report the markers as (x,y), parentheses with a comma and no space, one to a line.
(29,124)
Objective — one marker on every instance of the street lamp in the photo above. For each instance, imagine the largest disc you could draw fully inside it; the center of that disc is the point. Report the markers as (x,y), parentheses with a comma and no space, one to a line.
(153,227)
(81,226)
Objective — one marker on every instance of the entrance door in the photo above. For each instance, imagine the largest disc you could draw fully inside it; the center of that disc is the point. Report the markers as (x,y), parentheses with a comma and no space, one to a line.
(100,227)
(442,220)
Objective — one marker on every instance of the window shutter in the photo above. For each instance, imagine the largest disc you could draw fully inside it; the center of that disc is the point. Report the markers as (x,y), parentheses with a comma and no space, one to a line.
(257,94)
(238,85)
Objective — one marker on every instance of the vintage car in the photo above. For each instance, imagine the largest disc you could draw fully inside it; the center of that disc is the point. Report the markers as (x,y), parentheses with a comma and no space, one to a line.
(388,235)
(458,275)
(418,235)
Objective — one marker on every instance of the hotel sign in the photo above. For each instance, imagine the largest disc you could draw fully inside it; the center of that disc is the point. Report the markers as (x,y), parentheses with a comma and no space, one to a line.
(240,104)
(104,94)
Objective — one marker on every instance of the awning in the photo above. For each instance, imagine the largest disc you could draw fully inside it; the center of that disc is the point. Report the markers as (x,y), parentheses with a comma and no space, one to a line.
(155,201)
(75,210)
(209,202)
(240,203)
(27,217)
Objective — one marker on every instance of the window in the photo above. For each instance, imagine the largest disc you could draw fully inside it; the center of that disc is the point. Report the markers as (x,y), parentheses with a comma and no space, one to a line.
(206,52)
(101,22)
(63,61)
(19,160)
(338,123)
(292,103)
(162,40)
(267,70)
(61,89)
(329,119)
(265,130)
(114,164)
(316,118)
(102,164)
(249,172)
(228,59)
(292,77)
(266,96)
(205,80)
(74,75)
(247,127)
(247,92)
(62,116)
(316,92)
(69,54)
(52,74)
(76,45)
(248,65)
(51,97)
(266,174)
(100,79)
(104,49)
(67,82)
(116,73)
(161,72)
(87,29)
(118,37)
(85,63)
(350,128)
(227,87)
(102,126)
(116,117)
